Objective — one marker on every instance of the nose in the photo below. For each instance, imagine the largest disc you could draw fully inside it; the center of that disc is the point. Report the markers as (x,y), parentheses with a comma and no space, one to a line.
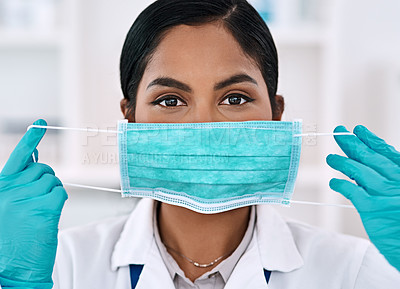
(204,112)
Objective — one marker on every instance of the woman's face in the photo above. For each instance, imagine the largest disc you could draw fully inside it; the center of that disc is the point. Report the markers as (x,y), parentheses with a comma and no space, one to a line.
(200,74)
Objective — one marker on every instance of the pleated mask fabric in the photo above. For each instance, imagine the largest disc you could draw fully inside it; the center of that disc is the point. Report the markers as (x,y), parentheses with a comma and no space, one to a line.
(210,167)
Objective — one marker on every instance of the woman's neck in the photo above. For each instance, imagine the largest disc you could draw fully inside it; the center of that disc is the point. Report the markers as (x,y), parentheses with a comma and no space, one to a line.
(202,238)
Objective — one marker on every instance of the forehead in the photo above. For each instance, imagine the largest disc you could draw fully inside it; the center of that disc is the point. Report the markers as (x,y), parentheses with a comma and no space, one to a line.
(188,51)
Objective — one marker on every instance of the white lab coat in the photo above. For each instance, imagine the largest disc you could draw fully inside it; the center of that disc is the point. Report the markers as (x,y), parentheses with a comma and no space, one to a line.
(299,256)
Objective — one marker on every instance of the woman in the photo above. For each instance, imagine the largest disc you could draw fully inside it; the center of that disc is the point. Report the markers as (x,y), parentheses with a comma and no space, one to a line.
(197,61)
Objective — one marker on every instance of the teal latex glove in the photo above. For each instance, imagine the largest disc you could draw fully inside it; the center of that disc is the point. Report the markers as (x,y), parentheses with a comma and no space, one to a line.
(375,167)
(31,200)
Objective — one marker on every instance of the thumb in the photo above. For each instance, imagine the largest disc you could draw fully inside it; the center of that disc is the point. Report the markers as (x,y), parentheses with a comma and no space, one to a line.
(22,154)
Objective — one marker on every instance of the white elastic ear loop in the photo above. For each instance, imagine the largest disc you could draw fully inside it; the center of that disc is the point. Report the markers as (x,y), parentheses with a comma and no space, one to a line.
(291,201)
(73,128)
(82,130)
(322,204)
(323,134)
(120,191)
(116,131)
(312,134)
(68,128)
(93,188)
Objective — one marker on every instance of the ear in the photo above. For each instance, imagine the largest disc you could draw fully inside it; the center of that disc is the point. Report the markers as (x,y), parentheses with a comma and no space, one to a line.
(124,107)
(127,111)
(123,104)
(279,108)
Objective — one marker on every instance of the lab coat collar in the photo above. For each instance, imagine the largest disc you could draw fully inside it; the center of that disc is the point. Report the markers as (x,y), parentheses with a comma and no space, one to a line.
(248,272)
(277,247)
(272,248)
(273,240)
(136,238)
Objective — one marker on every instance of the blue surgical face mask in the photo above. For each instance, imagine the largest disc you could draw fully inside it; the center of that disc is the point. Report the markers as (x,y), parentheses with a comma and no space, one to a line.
(235,164)
(210,167)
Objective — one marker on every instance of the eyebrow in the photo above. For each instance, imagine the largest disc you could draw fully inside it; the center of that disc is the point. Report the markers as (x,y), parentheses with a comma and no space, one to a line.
(170,82)
(238,78)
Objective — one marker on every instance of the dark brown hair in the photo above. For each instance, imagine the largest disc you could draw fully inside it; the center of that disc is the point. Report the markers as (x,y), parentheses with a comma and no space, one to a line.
(238,16)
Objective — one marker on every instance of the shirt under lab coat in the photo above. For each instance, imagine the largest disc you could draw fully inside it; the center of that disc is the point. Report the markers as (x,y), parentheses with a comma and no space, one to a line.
(299,256)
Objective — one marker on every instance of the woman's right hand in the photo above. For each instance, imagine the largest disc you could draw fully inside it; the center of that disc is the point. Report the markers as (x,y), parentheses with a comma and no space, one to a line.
(31,200)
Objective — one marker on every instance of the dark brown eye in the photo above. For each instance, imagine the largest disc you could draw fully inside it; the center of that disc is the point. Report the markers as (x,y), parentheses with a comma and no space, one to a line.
(171,102)
(237,99)
(168,101)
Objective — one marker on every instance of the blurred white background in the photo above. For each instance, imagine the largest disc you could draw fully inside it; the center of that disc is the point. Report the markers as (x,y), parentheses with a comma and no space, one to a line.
(339,64)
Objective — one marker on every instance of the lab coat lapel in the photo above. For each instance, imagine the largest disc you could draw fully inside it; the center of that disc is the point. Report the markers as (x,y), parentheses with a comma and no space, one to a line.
(248,272)
(277,246)
(137,246)
(272,247)
(136,237)
(155,274)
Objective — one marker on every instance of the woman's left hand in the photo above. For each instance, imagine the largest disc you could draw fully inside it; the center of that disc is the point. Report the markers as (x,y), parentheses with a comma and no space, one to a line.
(375,167)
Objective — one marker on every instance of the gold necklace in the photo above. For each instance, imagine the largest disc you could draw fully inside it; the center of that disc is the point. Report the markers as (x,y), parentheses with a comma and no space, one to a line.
(197,264)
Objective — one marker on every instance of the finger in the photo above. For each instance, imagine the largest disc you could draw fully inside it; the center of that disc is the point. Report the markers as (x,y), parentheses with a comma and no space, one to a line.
(38,188)
(364,176)
(32,172)
(22,154)
(46,183)
(49,205)
(357,195)
(53,201)
(357,150)
(57,198)
(377,144)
